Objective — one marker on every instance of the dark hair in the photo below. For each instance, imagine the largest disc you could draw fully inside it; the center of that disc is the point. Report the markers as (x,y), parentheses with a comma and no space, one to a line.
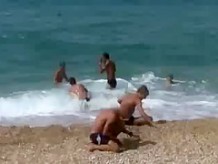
(171,76)
(106,55)
(62,64)
(72,80)
(143,90)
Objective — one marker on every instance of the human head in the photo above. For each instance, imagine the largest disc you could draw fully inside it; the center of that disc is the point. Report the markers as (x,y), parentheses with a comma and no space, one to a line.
(143,91)
(105,56)
(170,77)
(72,81)
(62,64)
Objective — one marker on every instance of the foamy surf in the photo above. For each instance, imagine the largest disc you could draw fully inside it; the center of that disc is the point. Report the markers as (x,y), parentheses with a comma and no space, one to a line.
(55,106)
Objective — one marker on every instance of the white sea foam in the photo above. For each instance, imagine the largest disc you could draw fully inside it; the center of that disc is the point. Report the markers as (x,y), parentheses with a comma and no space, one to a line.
(183,101)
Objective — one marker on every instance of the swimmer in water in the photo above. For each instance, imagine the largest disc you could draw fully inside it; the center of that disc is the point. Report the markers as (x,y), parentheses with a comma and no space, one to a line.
(170,81)
(79,90)
(60,75)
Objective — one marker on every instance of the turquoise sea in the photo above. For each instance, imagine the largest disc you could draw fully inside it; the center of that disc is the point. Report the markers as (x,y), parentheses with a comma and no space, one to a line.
(147,39)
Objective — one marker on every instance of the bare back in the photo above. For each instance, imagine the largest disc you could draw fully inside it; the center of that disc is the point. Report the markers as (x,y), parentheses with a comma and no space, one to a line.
(111,70)
(128,104)
(79,90)
(59,76)
(107,117)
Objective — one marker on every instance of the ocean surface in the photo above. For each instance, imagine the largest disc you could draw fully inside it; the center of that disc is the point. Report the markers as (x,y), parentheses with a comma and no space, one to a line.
(147,39)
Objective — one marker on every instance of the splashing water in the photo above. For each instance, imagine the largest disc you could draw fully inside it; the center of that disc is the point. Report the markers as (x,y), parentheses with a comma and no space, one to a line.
(186,100)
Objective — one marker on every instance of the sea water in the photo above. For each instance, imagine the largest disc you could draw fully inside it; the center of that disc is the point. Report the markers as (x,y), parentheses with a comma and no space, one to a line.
(147,40)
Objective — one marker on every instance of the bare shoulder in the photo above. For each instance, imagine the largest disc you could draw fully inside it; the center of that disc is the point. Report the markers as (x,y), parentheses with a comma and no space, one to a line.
(114,64)
(133,96)
(124,96)
(111,63)
(128,96)
(72,87)
(81,85)
(136,99)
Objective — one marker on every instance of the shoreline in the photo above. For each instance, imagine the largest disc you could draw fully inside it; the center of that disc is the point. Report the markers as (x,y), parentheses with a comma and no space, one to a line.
(186,141)
(44,121)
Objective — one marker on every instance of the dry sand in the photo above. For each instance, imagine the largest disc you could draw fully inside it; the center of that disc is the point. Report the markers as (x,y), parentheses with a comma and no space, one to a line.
(174,142)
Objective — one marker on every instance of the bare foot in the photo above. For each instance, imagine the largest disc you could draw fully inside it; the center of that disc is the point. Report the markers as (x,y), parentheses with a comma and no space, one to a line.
(91,147)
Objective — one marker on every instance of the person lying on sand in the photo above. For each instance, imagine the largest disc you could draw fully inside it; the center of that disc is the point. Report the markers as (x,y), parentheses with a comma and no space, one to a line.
(78,90)
(60,74)
(108,66)
(129,102)
(105,129)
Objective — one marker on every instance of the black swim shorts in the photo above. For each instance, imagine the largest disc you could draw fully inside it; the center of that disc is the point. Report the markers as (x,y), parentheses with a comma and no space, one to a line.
(130,121)
(112,83)
(99,139)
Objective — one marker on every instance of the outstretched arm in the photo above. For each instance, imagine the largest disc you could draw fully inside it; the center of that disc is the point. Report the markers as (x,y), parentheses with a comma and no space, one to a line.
(85,89)
(124,130)
(102,67)
(55,77)
(65,76)
(143,114)
(115,68)
(88,94)
(127,132)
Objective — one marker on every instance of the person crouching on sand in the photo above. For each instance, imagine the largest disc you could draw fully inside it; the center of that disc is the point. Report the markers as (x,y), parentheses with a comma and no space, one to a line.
(129,102)
(61,74)
(105,129)
(78,90)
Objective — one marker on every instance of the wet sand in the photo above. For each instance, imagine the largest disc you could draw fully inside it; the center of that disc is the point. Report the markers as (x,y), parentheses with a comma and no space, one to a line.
(173,142)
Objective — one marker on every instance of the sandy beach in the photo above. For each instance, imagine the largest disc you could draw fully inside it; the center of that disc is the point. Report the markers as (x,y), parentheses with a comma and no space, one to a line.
(173,142)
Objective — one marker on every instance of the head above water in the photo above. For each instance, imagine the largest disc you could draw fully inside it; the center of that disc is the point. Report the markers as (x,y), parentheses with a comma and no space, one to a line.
(72,81)
(62,64)
(170,77)
(143,91)
(106,56)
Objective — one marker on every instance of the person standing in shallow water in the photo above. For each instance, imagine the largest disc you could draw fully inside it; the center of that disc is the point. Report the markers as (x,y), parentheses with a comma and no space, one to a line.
(108,66)
(79,90)
(170,80)
(60,74)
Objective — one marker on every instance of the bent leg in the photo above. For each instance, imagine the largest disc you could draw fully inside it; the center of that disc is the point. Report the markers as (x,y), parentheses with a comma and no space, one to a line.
(111,146)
